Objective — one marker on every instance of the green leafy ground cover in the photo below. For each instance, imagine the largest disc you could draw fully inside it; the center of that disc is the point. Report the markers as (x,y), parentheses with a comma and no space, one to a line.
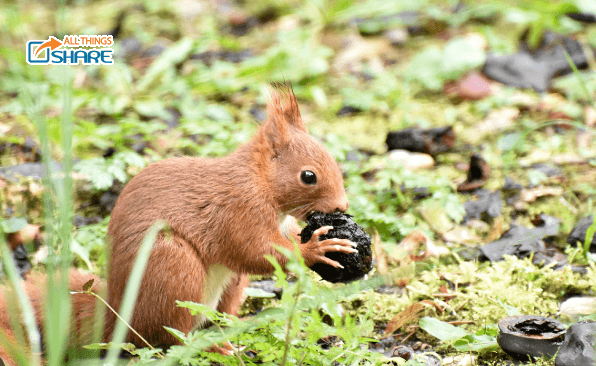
(335,54)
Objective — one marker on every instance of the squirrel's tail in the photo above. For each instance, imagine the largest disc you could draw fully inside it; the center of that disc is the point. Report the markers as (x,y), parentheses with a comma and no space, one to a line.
(84,319)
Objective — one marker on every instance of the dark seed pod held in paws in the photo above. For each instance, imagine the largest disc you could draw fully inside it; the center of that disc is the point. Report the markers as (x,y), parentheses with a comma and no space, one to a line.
(356,265)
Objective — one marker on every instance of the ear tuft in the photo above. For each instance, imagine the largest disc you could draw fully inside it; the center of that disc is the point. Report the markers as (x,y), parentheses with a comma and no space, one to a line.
(283,106)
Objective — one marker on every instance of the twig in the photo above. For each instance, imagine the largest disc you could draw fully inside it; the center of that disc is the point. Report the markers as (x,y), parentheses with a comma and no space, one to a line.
(118,316)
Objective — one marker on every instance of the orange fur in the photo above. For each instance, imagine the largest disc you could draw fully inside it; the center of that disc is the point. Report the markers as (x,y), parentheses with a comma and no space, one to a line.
(223,216)
(83,308)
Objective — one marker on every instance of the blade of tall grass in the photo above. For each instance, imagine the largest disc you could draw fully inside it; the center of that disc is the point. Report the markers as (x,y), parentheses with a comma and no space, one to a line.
(589,236)
(58,214)
(579,77)
(132,288)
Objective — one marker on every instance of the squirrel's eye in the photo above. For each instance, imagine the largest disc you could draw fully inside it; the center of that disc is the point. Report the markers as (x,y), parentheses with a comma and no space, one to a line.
(308,177)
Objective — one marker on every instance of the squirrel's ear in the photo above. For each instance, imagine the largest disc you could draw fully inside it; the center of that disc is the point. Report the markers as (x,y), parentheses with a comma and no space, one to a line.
(283,108)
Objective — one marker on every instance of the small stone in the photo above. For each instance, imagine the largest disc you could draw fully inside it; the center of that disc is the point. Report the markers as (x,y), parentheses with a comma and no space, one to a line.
(412,160)
(397,36)
(578,347)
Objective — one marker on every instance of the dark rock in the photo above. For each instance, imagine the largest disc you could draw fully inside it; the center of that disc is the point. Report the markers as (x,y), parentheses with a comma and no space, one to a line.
(552,255)
(431,141)
(404,352)
(21,260)
(80,221)
(30,146)
(347,111)
(488,203)
(535,69)
(241,28)
(107,200)
(33,170)
(208,57)
(583,17)
(154,51)
(110,151)
(548,170)
(577,236)
(128,48)
(578,347)
(173,119)
(521,241)
(258,113)
(356,265)
(353,155)
(511,185)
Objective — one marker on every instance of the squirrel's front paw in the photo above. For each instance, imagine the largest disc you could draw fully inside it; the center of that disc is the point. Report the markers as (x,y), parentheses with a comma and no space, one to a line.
(314,250)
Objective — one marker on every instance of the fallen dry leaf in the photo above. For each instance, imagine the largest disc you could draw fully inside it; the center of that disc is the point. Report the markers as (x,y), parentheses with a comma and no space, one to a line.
(496,120)
(379,253)
(412,244)
(403,317)
(532,194)
(565,159)
(461,235)
(473,86)
(496,230)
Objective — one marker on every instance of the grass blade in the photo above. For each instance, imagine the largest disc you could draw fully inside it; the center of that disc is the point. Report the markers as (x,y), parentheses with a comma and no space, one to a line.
(132,288)
(579,77)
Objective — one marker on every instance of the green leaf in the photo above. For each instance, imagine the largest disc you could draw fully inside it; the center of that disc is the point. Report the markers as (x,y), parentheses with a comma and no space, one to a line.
(510,310)
(509,141)
(426,68)
(459,56)
(536,177)
(166,61)
(443,331)
(590,235)
(81,252)
(151,108)
(474,342)
(124,346)
(176,333)
(13,224)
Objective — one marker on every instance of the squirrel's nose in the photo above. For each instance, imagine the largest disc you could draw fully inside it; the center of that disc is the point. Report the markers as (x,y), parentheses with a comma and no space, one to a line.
(343,204)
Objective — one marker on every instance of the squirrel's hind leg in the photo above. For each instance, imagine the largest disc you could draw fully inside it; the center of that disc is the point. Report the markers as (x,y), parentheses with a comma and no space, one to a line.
(233,296)
(174,272)
(229,303)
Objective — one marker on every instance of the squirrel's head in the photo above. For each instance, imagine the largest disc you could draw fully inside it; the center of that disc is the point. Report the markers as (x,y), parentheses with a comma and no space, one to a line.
(301,173)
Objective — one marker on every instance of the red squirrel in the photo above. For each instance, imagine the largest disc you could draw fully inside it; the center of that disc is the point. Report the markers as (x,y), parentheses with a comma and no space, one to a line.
(224,216)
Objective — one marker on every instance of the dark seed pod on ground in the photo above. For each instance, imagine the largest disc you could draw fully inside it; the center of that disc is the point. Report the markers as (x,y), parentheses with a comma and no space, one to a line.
(356,265)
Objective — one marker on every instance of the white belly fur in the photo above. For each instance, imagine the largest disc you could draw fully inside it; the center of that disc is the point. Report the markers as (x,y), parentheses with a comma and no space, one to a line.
(285,222)
(217,279)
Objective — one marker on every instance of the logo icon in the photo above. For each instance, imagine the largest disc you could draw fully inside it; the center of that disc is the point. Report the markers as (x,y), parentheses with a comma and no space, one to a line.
(72,50)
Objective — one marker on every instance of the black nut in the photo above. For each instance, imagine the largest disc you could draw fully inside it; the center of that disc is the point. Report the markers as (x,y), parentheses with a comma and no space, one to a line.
(356,265)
